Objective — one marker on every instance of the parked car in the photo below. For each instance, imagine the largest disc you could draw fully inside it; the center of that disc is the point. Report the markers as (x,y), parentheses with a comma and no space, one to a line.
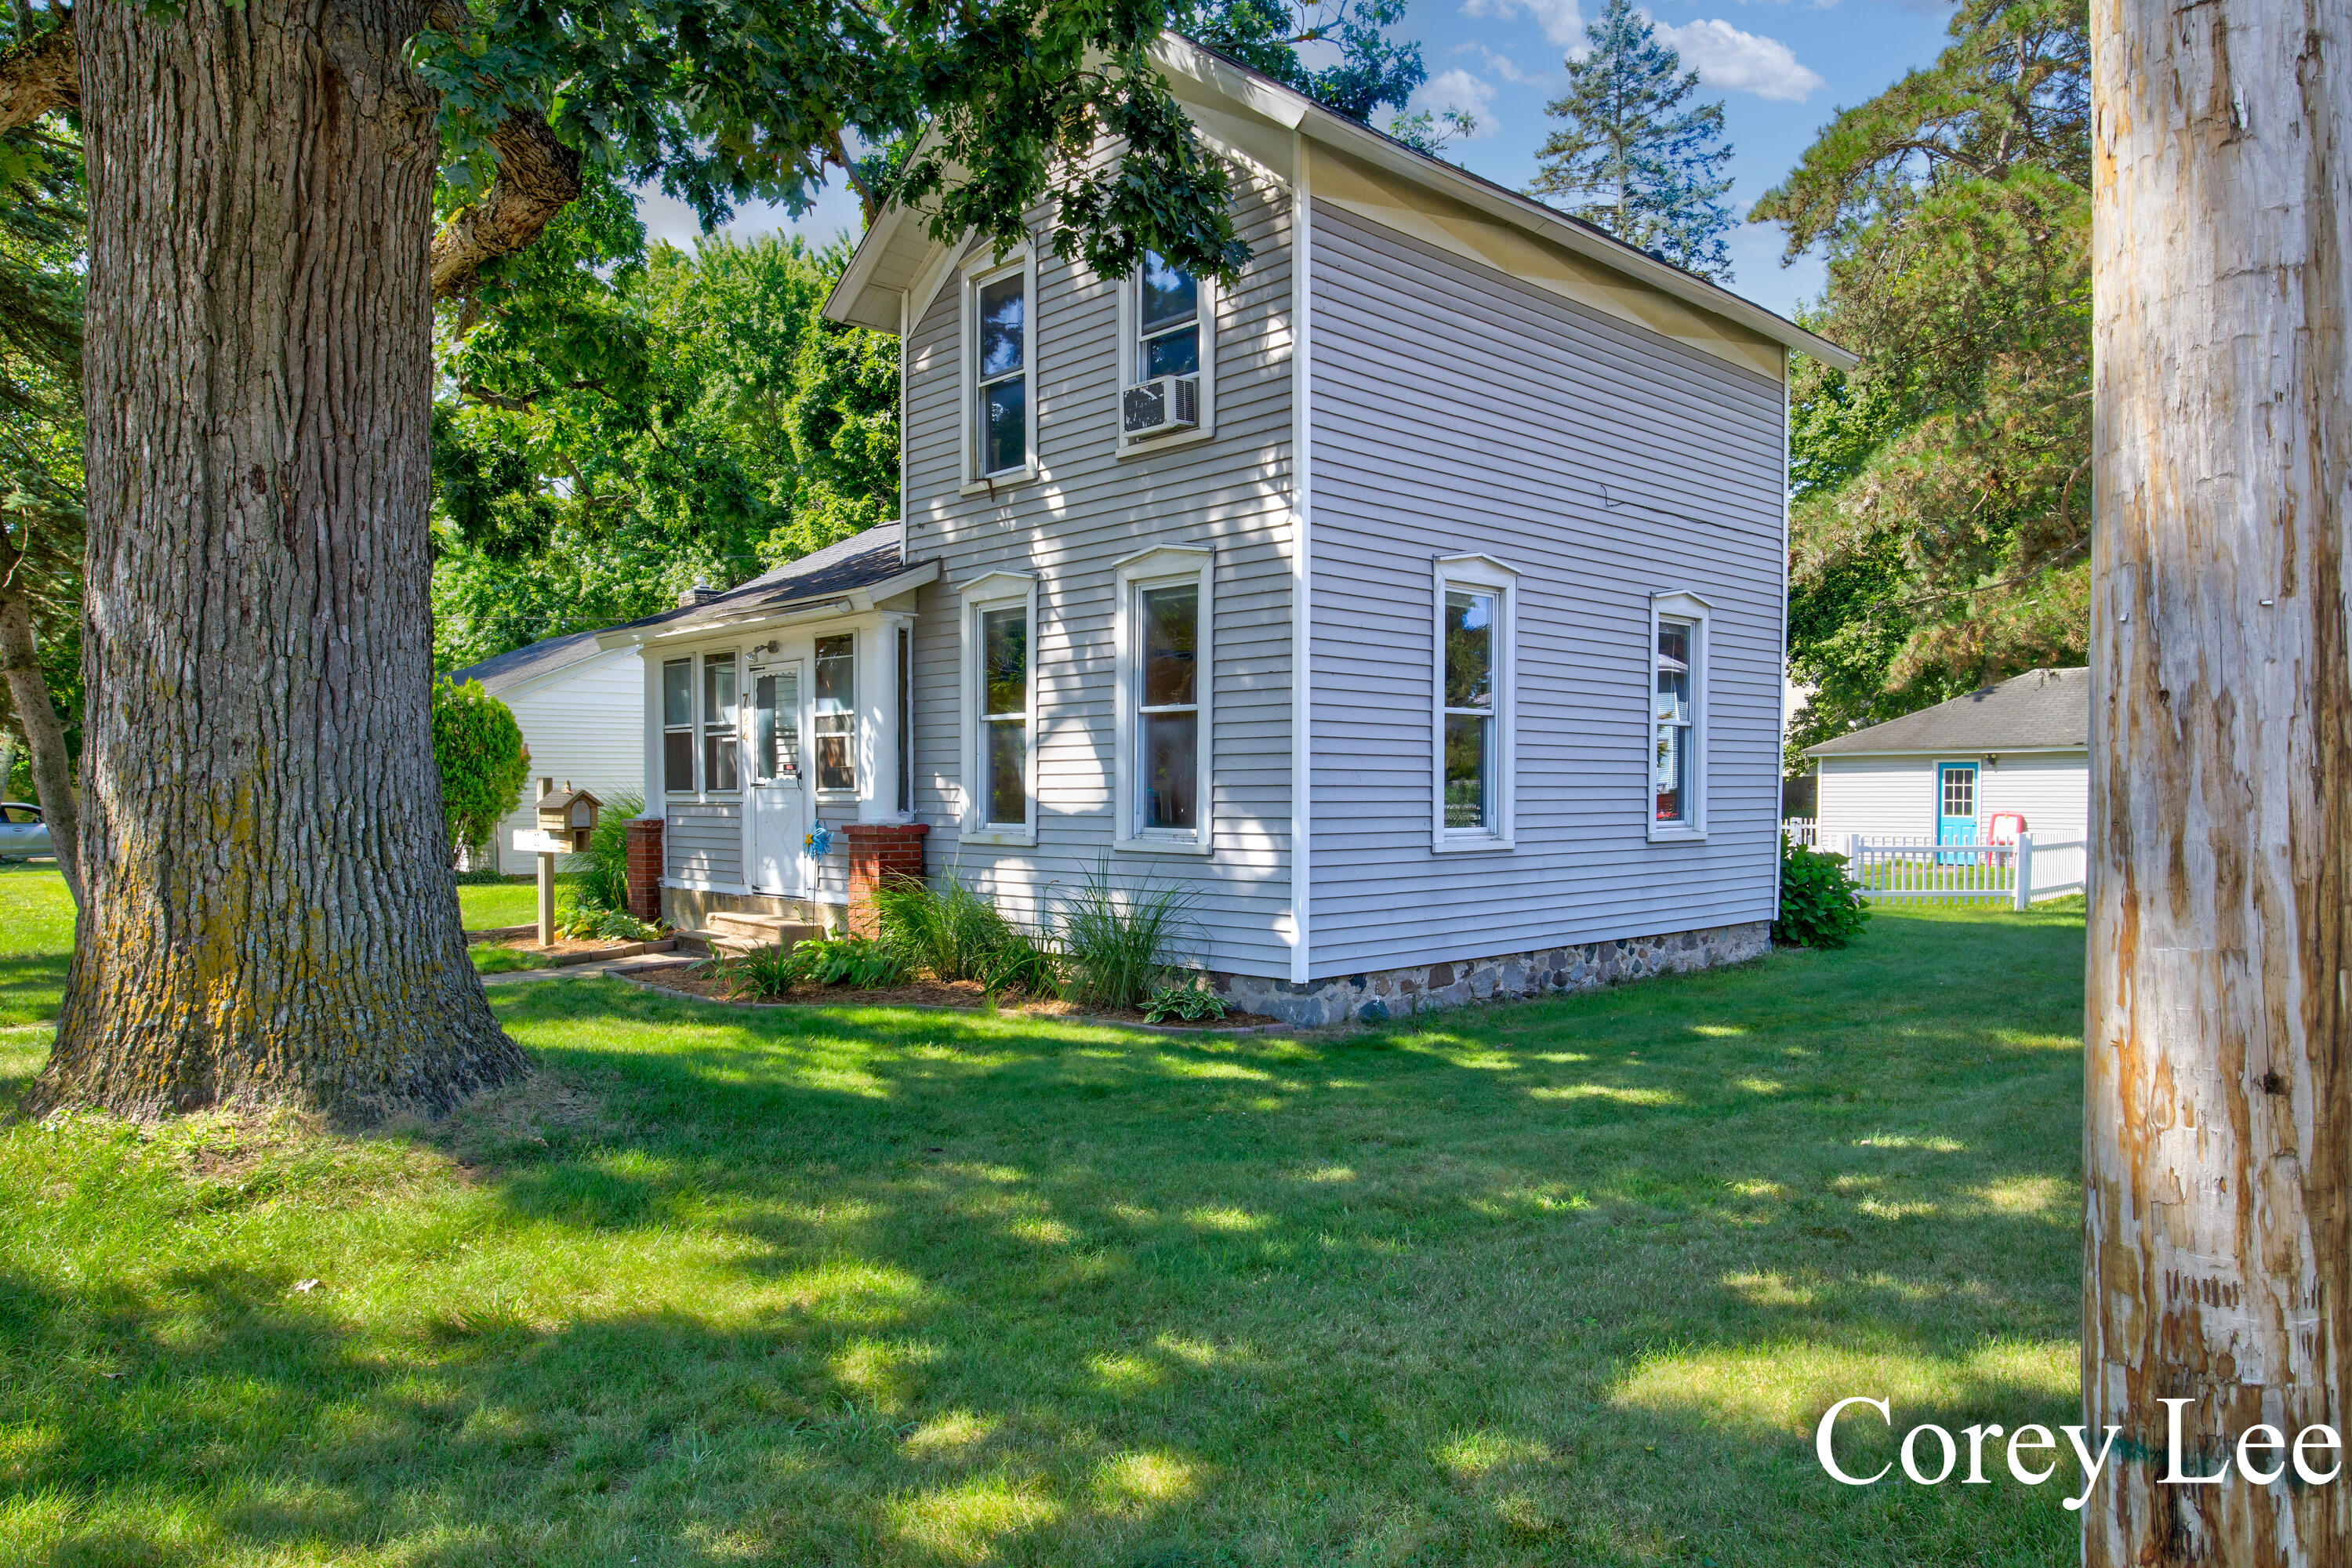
(22,831)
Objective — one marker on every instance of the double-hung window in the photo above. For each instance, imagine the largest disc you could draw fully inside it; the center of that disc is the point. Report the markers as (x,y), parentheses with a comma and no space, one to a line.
(1472,717)
(678,726)
(1168,328)
(1165,683)
(719,722)
(1001,434)
(835,724)
(1677,791)
(1000,704)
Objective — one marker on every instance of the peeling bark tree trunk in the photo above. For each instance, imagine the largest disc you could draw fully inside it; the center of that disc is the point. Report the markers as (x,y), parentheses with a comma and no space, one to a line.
(271,918)
(2218,1142)
(29,692)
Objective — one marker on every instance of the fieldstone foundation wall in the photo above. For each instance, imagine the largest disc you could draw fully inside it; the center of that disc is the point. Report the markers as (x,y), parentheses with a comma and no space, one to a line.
(1385,994)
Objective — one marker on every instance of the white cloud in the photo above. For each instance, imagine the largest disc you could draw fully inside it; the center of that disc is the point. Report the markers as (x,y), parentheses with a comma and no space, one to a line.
(1743,62)
(1504,66)
(1457,90)
(1561,21)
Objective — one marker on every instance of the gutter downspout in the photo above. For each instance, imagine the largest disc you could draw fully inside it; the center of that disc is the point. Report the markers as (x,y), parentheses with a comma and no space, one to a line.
(1302,512)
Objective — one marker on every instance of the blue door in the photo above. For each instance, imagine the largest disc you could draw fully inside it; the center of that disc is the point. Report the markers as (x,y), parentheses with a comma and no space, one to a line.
(1956,807)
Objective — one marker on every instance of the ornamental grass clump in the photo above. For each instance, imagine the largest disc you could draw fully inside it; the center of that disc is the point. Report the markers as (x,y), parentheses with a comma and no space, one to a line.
(770,973)
(1821,906)
(956,933)
(1118,944)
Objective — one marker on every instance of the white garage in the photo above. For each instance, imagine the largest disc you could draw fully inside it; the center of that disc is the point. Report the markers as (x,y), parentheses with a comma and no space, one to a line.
(582,710)
(2017,750)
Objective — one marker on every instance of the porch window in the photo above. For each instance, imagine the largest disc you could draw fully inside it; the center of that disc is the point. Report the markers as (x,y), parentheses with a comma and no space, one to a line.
(1004,716)
(998,346)
(719,722)
(1471,716)
(835,723)
(906,669)
(1678,789)
(678,726)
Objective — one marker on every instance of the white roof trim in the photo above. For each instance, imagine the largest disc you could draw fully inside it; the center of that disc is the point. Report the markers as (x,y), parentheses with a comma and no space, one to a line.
(843,601)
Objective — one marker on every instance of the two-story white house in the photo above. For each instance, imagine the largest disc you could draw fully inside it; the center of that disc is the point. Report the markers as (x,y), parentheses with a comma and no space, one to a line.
(1416,601)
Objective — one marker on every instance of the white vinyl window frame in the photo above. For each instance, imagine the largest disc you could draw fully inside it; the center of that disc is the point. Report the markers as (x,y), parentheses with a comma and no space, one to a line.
(1697,614)
(690,729)
(1130,367)
(1166,566)
(995,591)
(1476,573)
(981,271)
(858,732)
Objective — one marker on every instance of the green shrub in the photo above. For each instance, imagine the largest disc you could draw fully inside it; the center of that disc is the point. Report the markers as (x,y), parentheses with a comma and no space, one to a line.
(948,929)
(1182,999)
(603,870)
(589,923)
(1021,964)
(770,973)
(477,746)
(1821,906)
(1115,944)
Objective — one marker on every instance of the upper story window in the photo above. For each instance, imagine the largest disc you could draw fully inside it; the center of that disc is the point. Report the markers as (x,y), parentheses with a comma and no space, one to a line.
(835,724)
(1472,717)
(678,726)
(719,720)
(999,354)
(1677,715)
(1168,321)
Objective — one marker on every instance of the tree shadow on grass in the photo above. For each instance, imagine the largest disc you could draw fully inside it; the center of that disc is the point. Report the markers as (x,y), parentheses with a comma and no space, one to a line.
(1561,1283)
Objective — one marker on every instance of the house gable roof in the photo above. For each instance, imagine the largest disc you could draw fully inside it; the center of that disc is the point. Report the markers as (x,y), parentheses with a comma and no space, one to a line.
(1236,106)
(858,569)
(2040,710)
(539,660)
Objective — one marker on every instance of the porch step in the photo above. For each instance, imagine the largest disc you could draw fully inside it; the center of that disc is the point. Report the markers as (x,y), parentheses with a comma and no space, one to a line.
(774,929)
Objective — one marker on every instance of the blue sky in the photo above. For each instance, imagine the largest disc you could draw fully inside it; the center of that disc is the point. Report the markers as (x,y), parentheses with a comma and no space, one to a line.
(1781,67)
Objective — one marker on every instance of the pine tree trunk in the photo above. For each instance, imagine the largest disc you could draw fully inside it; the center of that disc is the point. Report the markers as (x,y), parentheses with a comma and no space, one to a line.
(271,918)
(2218,1142)
(28,691)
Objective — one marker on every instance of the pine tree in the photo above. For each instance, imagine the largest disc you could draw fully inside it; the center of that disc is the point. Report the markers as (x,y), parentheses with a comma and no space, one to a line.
(1631,159)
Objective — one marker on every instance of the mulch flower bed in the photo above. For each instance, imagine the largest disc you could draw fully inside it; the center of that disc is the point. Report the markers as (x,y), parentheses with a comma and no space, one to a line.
(702,980)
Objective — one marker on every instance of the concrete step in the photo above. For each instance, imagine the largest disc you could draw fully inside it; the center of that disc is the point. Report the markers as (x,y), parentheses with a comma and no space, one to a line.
(772,930)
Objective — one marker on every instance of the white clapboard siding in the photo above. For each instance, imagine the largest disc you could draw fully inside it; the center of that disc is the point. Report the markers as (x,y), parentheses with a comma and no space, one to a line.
(1457,410)
(1895,796)
(1090,509)
(584,724)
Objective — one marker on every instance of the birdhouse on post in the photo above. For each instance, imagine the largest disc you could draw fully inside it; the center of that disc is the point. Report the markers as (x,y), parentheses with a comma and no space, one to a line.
(569,814)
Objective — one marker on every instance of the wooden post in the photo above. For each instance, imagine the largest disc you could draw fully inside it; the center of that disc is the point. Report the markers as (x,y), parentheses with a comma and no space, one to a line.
(2023,861)
(546,880)
(2218,1104)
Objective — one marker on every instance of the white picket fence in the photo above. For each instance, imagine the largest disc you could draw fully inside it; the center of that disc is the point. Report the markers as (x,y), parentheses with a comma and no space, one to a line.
(2017,874)
(1803,830)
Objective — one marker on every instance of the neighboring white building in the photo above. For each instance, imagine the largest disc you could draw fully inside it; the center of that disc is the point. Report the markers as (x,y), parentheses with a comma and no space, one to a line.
(1946,771)
(581,709)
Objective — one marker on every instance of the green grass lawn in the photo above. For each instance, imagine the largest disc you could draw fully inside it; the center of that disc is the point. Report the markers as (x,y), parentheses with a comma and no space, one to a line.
(488,905)
(1562,1282)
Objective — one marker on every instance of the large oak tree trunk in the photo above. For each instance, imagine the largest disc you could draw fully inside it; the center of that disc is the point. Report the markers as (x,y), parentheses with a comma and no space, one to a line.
(271,918)
(2218,1142)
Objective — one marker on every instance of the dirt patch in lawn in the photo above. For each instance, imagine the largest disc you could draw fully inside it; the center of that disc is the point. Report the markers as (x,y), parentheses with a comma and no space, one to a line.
(702,980)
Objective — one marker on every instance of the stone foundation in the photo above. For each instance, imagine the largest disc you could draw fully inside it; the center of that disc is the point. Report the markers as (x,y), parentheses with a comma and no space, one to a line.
(1384,993)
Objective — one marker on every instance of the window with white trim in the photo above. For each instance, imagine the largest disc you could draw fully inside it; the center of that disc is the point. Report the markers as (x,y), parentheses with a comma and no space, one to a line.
(905,666)
(1472,717)
(719,722)
(834,725)
(678,726)
(1001,419)
(1166,678)
(1166,327)
(1677,790)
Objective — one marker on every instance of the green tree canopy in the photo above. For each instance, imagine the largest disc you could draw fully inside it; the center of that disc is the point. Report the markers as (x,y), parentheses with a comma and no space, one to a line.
(1629,156)
(483,761)
(1941,518)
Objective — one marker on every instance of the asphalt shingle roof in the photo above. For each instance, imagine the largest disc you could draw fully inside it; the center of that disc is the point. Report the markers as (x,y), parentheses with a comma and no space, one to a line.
(2041,710)
(862,558)
(542,657)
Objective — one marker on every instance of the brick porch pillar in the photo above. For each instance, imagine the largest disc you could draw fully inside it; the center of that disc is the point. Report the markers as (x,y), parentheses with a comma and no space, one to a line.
(879,852)
(645,867)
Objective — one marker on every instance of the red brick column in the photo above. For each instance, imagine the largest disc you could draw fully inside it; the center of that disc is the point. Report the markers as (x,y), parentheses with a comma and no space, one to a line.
(879,853)
(645,867)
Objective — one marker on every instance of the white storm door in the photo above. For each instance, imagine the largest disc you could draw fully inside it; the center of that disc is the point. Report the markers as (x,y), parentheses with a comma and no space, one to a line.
(776,799)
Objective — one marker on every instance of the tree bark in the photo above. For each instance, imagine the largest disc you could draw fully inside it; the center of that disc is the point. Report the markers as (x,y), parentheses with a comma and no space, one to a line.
(29,692)
(271,918)
(2218,1137)
(39,74)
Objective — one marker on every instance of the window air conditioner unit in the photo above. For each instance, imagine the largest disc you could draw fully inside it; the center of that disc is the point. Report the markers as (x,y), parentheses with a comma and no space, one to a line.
(1163,403)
